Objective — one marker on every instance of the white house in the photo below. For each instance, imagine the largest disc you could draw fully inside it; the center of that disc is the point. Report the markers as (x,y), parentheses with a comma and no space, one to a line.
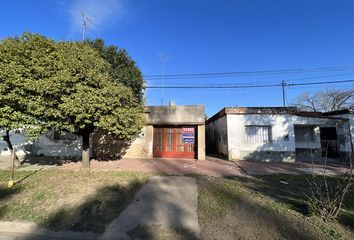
(276,134)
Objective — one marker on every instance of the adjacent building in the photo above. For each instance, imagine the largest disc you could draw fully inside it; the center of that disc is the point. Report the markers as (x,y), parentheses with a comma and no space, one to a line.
(280,134)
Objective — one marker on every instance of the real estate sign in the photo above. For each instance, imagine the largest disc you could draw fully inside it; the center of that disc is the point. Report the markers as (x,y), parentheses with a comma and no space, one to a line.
(188,135)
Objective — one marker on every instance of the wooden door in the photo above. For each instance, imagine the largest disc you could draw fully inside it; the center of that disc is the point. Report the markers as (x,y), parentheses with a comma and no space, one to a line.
(174,142)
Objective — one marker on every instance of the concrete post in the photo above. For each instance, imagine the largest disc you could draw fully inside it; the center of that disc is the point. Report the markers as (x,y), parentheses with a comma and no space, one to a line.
(201,142)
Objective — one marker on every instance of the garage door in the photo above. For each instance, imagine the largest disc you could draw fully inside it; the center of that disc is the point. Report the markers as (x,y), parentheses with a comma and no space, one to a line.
(174,142)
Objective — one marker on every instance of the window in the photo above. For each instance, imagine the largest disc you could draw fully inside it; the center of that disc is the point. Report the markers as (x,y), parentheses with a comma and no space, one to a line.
(304,133)
(256,133)
(61,135)
(158,139)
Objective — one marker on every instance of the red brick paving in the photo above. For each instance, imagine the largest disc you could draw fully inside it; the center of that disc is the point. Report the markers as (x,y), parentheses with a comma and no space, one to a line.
(261,168)
(170,166)
(219,168)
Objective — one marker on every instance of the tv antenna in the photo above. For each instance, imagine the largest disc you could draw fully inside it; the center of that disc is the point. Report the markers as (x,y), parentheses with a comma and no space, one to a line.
(163,57)
(85,20)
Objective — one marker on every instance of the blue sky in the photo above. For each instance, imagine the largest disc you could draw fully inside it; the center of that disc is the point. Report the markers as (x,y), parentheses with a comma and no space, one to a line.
(207,36)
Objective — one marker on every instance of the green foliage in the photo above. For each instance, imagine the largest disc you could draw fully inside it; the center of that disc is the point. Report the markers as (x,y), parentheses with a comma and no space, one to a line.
(122,68)
(68,86)
(13,71)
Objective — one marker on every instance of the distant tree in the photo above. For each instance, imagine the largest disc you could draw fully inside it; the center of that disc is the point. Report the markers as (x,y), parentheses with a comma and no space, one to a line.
(68,87)
(123,68)
(329,100)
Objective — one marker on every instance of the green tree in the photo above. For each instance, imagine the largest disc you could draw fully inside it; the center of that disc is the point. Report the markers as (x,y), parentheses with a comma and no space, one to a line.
(68,87)
(15,62)
(88,99)
(123,68)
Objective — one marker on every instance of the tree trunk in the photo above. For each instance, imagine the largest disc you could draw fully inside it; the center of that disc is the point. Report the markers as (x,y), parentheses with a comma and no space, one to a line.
(6,138)
(86,150)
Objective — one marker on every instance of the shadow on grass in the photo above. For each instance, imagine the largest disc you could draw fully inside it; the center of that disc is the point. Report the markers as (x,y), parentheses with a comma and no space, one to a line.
(294,193)
(228,213)
(96,212)
(6,193)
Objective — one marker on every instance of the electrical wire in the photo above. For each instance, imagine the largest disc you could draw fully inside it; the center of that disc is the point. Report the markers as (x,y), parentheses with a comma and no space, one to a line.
(248,73)
(252,86)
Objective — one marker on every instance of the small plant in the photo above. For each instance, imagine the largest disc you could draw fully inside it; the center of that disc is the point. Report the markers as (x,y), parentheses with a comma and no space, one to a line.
(327,193)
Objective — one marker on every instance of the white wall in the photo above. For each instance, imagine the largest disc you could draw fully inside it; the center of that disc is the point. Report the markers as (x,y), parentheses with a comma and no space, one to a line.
(45,145)
(282,126)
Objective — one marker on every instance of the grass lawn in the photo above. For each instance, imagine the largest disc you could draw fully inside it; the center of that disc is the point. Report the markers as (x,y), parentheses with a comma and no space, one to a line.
(63,200)
(263,208)
(243,208)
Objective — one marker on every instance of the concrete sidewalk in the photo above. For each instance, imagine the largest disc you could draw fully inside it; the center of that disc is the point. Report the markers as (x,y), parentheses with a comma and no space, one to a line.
(168,202)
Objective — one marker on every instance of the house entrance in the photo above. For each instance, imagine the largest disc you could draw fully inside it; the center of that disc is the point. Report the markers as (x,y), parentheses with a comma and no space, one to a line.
(329,143)
(175,142)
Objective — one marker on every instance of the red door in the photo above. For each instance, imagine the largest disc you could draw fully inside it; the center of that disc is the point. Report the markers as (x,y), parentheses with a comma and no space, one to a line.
(174,142)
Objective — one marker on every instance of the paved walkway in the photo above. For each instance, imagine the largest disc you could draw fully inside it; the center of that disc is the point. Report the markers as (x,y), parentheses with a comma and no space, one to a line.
(169,202)
(263,168)
(211,167)
(170,166)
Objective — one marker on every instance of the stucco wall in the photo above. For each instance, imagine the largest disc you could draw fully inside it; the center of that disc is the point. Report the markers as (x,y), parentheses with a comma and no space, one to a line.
(282,145)
(163,115)
(106,147)
(239,148)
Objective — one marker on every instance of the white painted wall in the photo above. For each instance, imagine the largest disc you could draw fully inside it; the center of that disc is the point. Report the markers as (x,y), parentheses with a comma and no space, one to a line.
(282,126)
(45,145)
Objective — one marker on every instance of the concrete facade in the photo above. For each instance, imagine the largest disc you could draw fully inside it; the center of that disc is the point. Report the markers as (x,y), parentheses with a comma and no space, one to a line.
(104,146)
(282,146)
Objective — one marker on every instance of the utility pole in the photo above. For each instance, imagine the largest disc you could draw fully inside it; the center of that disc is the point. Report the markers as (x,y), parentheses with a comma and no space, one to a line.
(84,24)
(283,91)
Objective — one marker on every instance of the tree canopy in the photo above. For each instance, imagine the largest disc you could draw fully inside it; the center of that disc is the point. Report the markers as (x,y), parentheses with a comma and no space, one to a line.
(326,101)
(123,68)
(69,86)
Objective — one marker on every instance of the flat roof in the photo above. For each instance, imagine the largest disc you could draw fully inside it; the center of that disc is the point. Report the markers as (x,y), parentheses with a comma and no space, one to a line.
(338,112)
(267,110)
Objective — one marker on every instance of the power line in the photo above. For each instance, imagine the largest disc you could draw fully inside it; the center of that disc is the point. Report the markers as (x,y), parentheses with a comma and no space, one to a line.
(213,86)
(248,73)
(318,83)
(252,86)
